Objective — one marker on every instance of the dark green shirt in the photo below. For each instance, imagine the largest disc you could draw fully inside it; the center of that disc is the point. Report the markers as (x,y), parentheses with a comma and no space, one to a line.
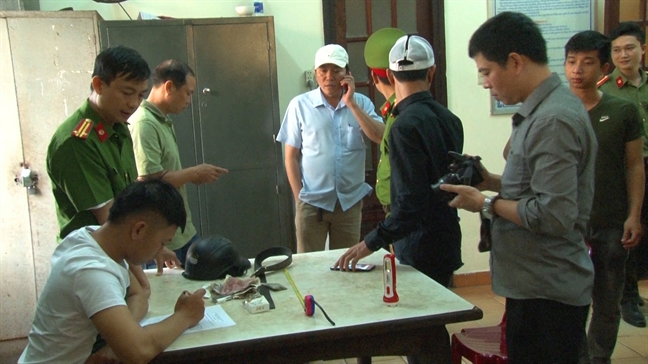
(88,173)
(617,84)
(384,169)
(615,121)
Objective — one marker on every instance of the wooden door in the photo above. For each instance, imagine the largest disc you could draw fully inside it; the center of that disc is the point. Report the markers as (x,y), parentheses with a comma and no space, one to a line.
(349,23)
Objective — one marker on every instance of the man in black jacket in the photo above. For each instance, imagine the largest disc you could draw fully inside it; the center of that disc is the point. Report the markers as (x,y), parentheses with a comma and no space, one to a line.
(424,229)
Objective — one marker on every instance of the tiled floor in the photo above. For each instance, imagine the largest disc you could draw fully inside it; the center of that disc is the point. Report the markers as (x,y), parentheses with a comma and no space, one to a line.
(632,342)
(631,348)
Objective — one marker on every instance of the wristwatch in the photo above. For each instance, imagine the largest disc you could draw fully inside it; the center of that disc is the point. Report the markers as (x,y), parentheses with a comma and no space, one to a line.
(488,209)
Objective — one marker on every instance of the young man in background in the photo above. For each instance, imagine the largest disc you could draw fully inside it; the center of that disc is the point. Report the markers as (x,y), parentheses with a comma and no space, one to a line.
(615,222)
(629,81)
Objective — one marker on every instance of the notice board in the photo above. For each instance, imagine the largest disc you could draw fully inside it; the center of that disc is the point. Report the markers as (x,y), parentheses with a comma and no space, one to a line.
(558,20)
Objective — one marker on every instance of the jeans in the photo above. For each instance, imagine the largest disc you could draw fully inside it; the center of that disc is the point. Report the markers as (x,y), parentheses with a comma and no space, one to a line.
(609,258)
(541,331)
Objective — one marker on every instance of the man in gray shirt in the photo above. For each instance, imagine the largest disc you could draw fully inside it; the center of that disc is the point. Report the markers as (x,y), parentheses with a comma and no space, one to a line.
(539,259)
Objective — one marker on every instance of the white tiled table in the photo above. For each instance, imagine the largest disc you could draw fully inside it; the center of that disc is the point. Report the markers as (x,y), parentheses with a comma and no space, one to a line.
(365,326)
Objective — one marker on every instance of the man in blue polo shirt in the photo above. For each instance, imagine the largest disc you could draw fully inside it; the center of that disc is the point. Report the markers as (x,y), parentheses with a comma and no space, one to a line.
(325,154)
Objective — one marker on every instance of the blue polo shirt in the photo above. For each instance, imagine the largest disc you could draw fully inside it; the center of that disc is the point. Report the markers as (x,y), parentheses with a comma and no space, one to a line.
(332,149)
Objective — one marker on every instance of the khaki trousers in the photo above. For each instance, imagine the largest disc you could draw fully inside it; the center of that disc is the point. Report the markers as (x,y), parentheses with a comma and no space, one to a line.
(313,225)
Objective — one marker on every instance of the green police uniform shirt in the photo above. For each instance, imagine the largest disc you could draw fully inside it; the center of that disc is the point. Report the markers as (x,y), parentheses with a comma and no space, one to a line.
(615,121)
(156,150)
(617,84)
(383,172)
(89,163)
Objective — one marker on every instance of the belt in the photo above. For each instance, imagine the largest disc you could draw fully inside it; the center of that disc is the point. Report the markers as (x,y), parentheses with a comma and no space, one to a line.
(260,269)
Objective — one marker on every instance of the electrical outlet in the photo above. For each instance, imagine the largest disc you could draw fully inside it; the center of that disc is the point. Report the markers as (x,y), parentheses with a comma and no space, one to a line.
(310,79)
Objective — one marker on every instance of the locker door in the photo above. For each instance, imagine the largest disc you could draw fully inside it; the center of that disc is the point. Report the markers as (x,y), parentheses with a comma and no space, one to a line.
(233,62)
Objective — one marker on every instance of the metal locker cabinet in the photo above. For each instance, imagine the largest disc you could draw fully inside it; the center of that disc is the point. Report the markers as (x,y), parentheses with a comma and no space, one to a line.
(232,122)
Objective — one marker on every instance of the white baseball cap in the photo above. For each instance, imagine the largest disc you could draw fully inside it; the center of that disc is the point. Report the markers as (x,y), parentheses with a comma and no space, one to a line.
(411,53)
(331,53)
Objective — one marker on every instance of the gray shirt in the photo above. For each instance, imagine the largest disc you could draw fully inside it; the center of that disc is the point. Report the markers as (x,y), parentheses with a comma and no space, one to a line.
(550,172)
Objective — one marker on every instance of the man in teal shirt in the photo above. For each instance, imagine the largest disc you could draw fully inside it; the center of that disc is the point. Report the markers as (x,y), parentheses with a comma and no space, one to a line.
(155,144)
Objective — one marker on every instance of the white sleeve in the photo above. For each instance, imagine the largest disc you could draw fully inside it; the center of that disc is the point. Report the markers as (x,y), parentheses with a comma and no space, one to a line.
(98,289)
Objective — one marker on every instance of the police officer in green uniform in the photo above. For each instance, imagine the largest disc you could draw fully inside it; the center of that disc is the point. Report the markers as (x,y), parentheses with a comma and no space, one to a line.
(90,157)
(376,55)
(629,81)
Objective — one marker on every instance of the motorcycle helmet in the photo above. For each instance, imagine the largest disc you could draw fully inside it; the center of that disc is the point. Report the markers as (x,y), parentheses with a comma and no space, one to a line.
(214,257)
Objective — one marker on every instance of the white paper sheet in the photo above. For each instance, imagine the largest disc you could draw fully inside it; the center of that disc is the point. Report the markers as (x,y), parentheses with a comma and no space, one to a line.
(215,318)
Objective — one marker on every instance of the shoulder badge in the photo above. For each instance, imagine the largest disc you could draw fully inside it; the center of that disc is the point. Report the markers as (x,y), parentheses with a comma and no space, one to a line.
(385,109)
(82,129)
(602,81)
(101,132)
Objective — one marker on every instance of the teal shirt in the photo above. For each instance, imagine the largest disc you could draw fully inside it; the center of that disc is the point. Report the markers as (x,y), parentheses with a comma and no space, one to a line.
(87,170)
(617,84)
(156,150)
(383,172)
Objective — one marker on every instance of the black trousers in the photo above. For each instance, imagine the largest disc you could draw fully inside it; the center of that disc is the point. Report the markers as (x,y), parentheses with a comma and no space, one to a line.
(540,331)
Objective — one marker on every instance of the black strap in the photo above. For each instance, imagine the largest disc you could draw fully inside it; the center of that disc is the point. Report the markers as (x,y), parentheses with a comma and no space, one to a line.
(260,269)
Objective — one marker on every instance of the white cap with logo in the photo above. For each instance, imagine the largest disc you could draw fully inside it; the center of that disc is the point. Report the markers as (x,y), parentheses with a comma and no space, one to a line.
(331,53)
(411,53)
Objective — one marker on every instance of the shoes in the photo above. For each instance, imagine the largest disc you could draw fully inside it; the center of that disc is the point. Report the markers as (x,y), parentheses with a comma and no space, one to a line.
(631,314)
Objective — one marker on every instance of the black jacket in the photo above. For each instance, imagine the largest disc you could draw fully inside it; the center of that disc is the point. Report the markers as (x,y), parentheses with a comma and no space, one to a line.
(424,229)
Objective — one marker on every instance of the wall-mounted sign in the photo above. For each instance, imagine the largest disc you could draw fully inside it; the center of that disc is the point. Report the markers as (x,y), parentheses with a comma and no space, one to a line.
(558,20)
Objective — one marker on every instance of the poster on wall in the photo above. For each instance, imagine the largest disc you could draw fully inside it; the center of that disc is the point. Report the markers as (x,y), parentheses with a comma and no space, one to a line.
(558,20)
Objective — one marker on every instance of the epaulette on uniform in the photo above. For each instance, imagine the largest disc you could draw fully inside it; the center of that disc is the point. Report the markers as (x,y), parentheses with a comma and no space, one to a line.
(385,110)
(82,129)
(603,80)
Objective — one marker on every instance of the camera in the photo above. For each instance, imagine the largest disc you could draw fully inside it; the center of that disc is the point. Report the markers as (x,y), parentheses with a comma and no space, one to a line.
(464,170)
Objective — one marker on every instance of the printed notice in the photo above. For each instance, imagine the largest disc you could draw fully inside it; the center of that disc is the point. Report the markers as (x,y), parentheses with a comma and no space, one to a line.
(558,20)
(215,318)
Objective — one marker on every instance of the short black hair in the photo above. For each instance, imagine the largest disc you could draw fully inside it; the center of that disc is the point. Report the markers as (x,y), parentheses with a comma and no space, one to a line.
(629,28)
(119,61)
(590,40)
(172,70)
(409,76)
(505,33)
(150,195)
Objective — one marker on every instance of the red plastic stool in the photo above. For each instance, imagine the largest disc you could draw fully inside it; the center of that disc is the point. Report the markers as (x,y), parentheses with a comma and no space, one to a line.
(481,345)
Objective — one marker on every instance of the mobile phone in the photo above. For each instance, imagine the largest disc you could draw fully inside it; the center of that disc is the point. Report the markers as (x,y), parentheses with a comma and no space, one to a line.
(360,267)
